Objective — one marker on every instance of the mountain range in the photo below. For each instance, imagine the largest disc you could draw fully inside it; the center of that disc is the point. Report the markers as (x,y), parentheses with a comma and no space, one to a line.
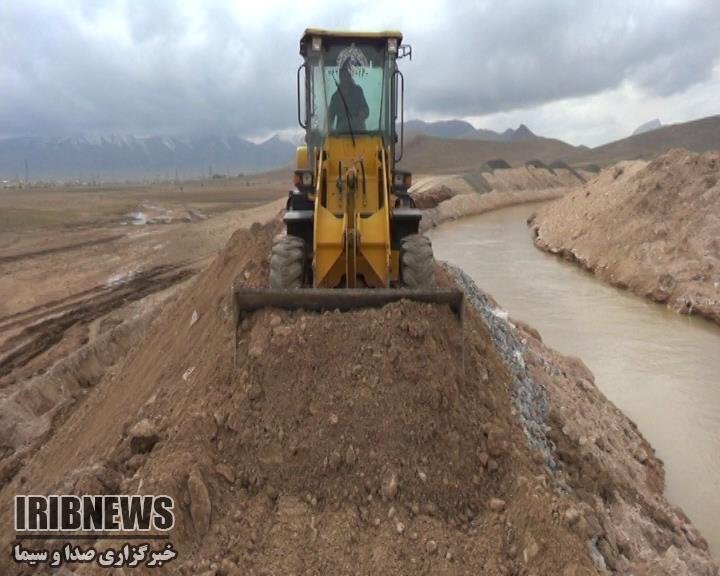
(131,157)
(445,145)
(432,154)
(466,131)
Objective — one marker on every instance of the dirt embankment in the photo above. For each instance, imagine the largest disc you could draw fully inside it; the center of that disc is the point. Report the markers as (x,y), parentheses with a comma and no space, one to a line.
(463,205)
(653,228)
(451,197)
(379,441)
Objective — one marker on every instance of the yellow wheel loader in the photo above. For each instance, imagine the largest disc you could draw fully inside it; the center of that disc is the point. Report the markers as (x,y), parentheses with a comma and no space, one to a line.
(352,230)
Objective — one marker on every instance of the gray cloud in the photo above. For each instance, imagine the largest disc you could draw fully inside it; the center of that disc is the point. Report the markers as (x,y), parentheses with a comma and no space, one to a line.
(519,54)
(191,67)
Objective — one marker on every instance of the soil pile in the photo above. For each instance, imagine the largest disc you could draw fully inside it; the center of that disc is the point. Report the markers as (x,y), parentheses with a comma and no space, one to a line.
(445,198)
(391,441)
(533,177)
(431,196)
(653,228)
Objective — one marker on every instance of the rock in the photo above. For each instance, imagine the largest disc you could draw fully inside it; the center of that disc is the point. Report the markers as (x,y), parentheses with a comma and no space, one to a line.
(226,472)
(335,459)
(496,504)
(431,547)
(275,320)
(135,462)
(200,506)
(422,476)
(640,455)
(272,492)
(531,550)
(228,568)
(496,443)
(609,554)
(143,436)
(389,486)
(282,331)
(350,456)
(194,317)
(572,515)
(400,527)
(582,528)
(429,508)
(255,391)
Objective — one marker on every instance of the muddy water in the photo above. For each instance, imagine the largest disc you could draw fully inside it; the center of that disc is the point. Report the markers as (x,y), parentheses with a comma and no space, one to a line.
(660,368)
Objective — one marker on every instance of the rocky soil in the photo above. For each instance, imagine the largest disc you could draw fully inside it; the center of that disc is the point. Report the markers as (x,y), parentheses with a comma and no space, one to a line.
(392,441)
(653,228)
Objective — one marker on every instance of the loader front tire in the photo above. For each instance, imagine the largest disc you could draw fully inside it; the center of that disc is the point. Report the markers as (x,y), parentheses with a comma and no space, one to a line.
(287,262)
(416,262)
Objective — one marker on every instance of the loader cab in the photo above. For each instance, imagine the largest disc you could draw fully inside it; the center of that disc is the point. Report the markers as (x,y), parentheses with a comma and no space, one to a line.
(350,209)
(344,73)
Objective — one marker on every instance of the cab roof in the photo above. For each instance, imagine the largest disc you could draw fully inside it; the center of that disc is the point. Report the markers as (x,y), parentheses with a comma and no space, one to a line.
(382,35)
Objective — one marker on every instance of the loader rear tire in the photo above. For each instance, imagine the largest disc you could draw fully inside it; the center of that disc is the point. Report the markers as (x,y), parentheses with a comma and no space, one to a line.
(416,262)
(287,262)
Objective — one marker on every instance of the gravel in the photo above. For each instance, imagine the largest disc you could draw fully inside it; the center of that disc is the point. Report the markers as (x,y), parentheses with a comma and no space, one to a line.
(529,397)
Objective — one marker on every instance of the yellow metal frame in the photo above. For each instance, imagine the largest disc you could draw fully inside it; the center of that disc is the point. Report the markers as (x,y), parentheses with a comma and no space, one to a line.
(352,222)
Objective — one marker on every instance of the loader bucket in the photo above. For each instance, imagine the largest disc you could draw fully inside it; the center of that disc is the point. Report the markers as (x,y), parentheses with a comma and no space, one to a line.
(247,300)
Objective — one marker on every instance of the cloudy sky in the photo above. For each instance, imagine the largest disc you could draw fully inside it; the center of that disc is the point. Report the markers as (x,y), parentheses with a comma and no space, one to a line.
(587,71)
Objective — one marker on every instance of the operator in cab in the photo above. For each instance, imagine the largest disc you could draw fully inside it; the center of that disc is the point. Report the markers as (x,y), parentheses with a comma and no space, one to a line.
(348,107)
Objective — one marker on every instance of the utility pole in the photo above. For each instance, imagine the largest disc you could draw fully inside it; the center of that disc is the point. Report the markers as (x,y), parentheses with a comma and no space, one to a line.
(27,172)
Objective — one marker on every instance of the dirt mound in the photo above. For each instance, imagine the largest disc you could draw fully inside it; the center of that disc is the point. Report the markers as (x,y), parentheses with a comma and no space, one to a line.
(430,197)
(342,436)
(650,227)
(531,177)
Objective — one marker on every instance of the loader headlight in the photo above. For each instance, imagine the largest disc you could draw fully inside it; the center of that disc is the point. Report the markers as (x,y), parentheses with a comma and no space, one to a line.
(316,43)
(303,178)
(402,180)
(392,46)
